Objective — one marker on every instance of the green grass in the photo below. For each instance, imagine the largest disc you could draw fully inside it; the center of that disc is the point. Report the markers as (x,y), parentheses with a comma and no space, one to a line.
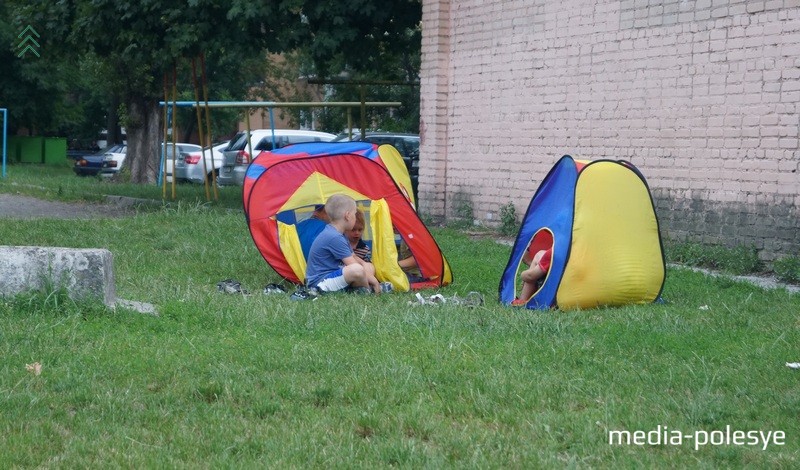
(787,269)
(734,260)
(58,182)
(369,381)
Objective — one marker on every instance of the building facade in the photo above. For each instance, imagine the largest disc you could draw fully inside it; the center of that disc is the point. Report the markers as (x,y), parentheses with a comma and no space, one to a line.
(701,95)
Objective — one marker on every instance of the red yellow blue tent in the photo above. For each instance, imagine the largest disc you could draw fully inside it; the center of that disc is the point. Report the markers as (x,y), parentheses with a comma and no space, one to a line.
(282,187)
(598,217)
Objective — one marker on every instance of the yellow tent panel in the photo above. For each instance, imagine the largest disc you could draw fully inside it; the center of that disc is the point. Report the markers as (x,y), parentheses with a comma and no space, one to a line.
(397,168)
(384,250)
(316,189)
(615,258)
(291,248)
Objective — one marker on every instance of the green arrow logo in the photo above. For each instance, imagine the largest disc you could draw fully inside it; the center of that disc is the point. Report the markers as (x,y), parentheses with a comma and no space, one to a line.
(28,42)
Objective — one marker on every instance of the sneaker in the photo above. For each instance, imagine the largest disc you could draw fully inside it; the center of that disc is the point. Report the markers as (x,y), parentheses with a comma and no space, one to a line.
(362,290)
(303,293)
(274,289)
(231,286)
(387,287)
(518,302)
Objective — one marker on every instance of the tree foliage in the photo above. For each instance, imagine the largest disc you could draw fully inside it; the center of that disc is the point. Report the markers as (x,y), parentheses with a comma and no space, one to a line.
(96,49)
(366,41)
(136,43)
(362,36)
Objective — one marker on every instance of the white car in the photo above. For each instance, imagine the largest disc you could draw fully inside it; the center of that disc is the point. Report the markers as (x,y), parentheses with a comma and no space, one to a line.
(237,154)
(113,158)
(183,150)
(190,165)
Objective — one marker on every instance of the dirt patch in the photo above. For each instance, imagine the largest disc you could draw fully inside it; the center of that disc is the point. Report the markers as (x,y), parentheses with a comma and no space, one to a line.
(14,206)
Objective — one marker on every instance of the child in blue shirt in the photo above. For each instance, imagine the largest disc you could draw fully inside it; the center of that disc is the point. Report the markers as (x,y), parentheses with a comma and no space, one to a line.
(332,266)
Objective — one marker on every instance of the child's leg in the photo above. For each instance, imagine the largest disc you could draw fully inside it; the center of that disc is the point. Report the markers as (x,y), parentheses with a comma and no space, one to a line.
(528,284)
(529,279)
(369,270)
(355,275)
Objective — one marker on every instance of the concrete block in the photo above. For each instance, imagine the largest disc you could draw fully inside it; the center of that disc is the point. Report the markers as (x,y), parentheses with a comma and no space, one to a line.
(84,273)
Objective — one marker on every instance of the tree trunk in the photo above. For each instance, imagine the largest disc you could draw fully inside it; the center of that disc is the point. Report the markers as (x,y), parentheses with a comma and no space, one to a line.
(144,135)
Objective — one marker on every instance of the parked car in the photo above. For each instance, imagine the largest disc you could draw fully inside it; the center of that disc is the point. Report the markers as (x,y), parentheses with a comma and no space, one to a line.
(406,144)
(113,159)
(190,166)
(183,150)
(237,154)
(89,165)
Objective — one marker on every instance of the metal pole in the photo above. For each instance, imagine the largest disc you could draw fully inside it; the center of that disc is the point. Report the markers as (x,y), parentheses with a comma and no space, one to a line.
(208,127)
(350,123)
(363,112)
(199,129)
(293,104)
(5,138)
(272,126)
(162,167)
(249,142)
(174,124)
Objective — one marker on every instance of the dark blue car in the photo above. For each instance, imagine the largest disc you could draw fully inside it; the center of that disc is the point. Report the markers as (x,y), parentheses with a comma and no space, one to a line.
(93,164)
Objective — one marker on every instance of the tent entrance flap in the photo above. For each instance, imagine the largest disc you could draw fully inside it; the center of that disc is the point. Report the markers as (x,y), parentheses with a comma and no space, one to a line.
(291,248)
(384,250)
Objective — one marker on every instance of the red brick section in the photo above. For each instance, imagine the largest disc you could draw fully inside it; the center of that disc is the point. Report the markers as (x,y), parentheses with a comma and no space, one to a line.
(701,95)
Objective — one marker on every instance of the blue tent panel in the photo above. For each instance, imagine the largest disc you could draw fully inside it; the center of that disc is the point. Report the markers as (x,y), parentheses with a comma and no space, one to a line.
(551,207)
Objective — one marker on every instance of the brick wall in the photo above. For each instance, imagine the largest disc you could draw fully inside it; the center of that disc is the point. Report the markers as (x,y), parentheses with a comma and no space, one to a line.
(701,95)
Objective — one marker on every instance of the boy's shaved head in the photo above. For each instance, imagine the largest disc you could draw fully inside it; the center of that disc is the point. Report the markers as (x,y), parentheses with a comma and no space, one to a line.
(338,205)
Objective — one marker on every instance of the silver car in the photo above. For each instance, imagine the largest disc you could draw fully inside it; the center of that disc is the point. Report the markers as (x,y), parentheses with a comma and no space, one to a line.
(190,166)
(237,155)
(183,150)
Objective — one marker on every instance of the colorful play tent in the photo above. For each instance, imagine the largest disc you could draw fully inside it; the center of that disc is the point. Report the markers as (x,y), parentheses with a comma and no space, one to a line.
(283,186)
(598,218)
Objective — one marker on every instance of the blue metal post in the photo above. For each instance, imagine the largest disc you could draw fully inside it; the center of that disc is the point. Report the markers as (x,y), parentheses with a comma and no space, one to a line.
(164,149)
(272,126)
(5,137)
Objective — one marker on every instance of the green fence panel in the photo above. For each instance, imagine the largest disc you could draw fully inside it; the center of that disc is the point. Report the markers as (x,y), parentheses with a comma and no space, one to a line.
(55,150)
(30,149)
(12,149)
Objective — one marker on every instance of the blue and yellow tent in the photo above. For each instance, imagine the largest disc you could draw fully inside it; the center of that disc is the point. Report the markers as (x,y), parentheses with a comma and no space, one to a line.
(598,217)
(282,187)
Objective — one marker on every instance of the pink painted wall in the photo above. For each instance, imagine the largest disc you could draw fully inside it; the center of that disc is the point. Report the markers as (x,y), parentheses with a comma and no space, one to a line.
(701,95)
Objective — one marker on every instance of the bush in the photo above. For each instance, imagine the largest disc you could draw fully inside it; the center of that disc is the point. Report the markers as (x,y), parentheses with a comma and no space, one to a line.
(508,220)
(788,269)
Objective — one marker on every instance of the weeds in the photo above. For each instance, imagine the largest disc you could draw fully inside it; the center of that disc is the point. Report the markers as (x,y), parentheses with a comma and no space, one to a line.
(737,260)
(463,210)
(787,269)
(508,220)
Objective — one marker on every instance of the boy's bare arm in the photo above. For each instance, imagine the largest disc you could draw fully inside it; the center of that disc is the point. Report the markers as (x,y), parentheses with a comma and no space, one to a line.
(352,259)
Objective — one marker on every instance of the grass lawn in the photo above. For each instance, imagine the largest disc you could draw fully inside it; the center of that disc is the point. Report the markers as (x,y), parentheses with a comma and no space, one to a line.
(369,381)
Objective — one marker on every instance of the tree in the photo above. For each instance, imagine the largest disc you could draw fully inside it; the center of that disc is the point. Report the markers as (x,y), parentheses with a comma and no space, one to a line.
(141,41)
(46,94)
(131,45)
(365,40)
